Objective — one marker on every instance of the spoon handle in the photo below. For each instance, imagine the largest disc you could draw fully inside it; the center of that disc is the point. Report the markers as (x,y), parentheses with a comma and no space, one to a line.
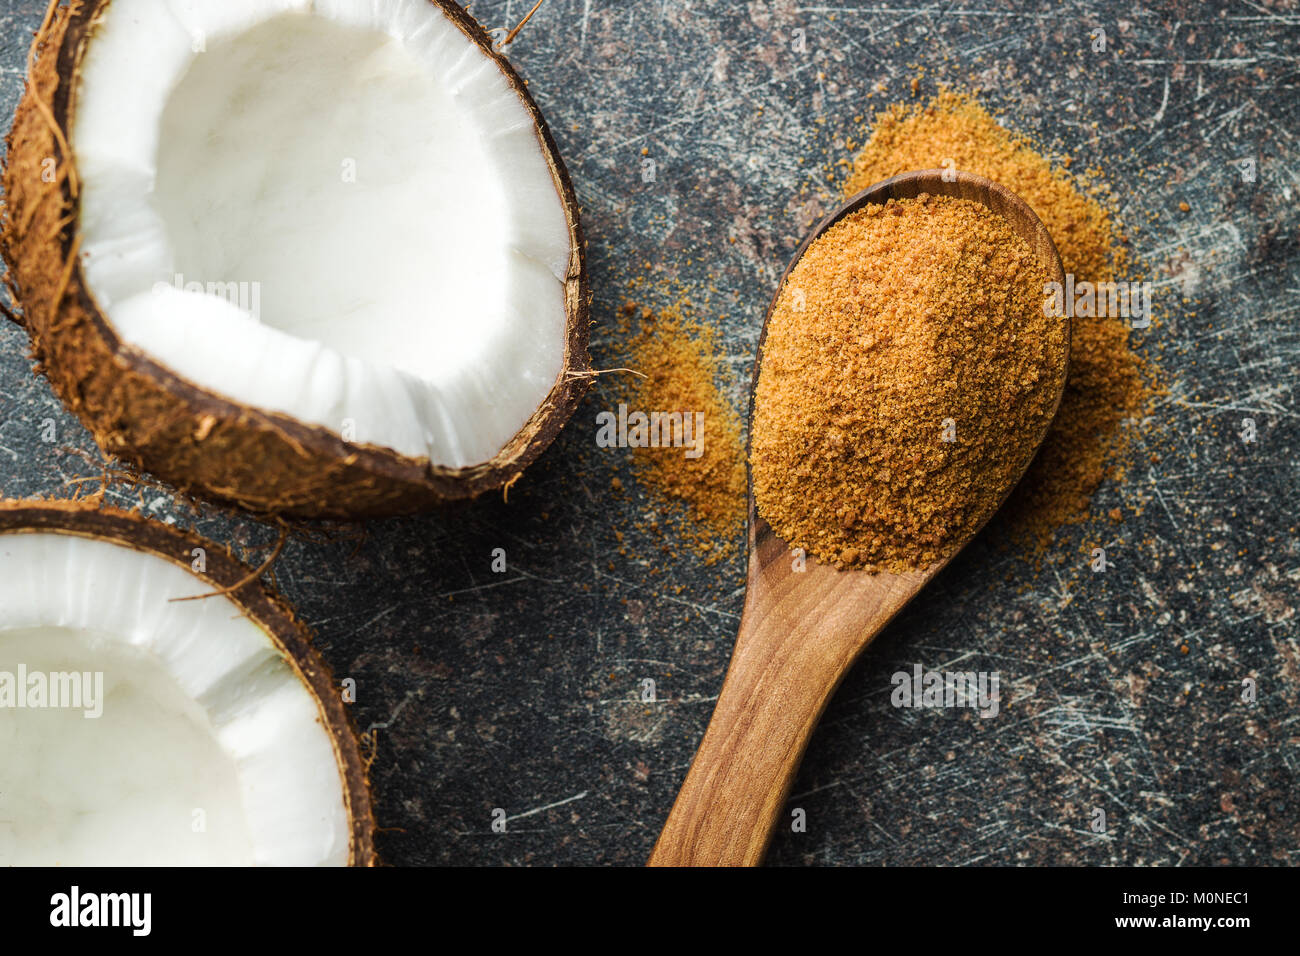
(773,695)
(799,635)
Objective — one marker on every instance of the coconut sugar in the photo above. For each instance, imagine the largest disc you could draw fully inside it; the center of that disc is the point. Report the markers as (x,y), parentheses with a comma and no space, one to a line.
(680,372)
(908,370)
(1107,382)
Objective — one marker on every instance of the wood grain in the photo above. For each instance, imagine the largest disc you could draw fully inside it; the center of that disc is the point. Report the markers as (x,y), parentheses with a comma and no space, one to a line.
(801,630)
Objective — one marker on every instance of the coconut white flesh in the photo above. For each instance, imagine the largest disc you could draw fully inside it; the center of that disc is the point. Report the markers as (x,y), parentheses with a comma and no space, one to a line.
(356,205)
(208,748)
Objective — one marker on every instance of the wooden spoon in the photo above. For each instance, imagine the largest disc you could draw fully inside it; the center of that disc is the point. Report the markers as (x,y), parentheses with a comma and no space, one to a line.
(802,630)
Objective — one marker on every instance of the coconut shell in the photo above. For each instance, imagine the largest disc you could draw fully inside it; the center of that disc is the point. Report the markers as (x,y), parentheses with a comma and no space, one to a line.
(203,443)
(240,584)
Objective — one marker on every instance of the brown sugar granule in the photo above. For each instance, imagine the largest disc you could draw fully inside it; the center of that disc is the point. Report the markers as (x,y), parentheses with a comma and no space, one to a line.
(682,368)
(907,373)
(1106,383)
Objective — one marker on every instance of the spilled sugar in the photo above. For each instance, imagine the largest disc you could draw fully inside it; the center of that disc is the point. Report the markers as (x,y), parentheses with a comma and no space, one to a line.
(681,371)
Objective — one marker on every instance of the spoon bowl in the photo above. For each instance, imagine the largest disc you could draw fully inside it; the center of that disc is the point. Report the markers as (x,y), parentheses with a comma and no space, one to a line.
(803,627)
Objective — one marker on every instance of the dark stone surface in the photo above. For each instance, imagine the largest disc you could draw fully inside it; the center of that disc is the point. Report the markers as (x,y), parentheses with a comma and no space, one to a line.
(1121,691)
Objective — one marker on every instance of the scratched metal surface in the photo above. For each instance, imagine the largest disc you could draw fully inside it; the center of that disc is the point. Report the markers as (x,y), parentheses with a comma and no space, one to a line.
(1120,690)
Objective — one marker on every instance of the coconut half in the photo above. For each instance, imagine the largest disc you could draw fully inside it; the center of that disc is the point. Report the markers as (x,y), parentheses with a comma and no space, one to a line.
(317,257)
(138,729)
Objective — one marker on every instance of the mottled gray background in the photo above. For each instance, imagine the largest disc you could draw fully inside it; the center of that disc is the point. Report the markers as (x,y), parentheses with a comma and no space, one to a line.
(519,690)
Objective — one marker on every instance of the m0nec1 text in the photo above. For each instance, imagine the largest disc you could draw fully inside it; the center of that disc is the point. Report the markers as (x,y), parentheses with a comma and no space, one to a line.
(1159,899)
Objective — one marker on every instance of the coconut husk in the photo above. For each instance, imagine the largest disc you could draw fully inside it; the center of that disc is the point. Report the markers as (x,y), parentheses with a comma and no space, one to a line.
(153,419)
(235,581)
